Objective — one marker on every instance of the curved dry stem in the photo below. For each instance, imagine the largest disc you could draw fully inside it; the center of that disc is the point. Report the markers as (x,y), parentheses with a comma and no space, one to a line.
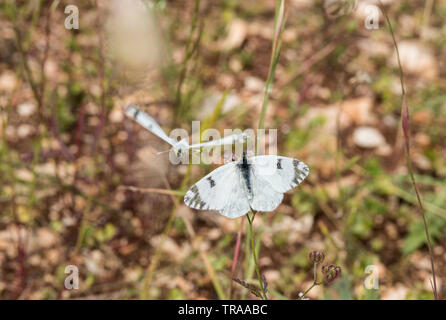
(405,121)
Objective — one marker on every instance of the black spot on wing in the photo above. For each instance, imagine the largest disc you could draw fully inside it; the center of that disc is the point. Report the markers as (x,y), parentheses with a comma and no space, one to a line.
(211,182)
(135,115)
(279,163)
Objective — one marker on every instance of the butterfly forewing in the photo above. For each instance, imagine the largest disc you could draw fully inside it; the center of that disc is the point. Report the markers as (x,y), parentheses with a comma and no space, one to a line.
(281,173)
(233,138)
(219,190)
(147,122)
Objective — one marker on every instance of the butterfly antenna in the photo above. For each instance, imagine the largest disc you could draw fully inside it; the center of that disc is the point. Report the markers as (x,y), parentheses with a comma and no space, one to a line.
(161,152)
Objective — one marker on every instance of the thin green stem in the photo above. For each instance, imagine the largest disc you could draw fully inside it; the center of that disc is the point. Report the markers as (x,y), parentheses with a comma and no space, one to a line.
(315,283)
(191,48)
(275,54)
(315,272)
(144,293)
(308,290)
(254,255)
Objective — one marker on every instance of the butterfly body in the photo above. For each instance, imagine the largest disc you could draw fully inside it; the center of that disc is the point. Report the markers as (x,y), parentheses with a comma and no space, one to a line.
(180,147)
(245,174)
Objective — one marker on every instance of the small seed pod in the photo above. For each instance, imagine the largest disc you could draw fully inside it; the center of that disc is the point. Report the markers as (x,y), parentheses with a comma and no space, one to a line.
(331,272)
(316,257)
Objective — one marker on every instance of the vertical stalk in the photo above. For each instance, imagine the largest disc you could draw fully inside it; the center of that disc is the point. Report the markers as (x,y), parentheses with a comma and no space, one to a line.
(235,258)
(144,293)
(191,47)
(251,234)
(315,283)
(275,54)
(405,122)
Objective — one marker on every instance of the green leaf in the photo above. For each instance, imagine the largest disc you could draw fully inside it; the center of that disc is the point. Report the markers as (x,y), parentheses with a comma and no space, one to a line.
(417,236)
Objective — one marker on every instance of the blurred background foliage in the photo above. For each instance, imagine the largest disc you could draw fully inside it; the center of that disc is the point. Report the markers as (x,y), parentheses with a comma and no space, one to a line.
(66,148)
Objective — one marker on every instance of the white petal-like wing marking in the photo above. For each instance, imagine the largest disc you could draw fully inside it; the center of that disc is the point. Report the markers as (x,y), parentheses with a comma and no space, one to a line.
(147,122)
(220,190)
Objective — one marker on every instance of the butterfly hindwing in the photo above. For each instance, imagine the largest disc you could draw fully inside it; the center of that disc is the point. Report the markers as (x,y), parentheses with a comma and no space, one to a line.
(264,197)
(237,204)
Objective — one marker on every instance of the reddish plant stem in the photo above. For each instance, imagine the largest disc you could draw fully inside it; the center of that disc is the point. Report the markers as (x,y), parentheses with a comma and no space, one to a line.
(103,114)
(235,258)
(405,123)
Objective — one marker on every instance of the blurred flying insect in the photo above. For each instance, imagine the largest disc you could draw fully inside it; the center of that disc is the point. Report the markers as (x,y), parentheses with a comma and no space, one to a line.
(178,147)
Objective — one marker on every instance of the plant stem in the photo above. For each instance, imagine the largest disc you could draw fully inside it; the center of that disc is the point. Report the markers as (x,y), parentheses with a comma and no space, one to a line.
(315,283)
(191,48)
(235,258)
(315,272)
(405,124)
(144,293)
(308,290)
(251,234)
(275,54)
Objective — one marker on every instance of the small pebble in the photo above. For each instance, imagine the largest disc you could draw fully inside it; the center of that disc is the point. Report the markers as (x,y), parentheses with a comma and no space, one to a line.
(26,109)
(368,137)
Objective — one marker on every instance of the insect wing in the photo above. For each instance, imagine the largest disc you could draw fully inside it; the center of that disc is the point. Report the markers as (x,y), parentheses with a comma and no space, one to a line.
(147,122)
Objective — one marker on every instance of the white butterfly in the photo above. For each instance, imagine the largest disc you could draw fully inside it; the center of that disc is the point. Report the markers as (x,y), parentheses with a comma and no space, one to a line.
(256,183)
(178,147)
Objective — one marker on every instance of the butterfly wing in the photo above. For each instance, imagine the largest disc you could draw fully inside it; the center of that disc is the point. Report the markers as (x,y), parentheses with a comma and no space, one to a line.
(264,197)
(147,122)
(220,190)
(231,139)
(271,177)
(281,173)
